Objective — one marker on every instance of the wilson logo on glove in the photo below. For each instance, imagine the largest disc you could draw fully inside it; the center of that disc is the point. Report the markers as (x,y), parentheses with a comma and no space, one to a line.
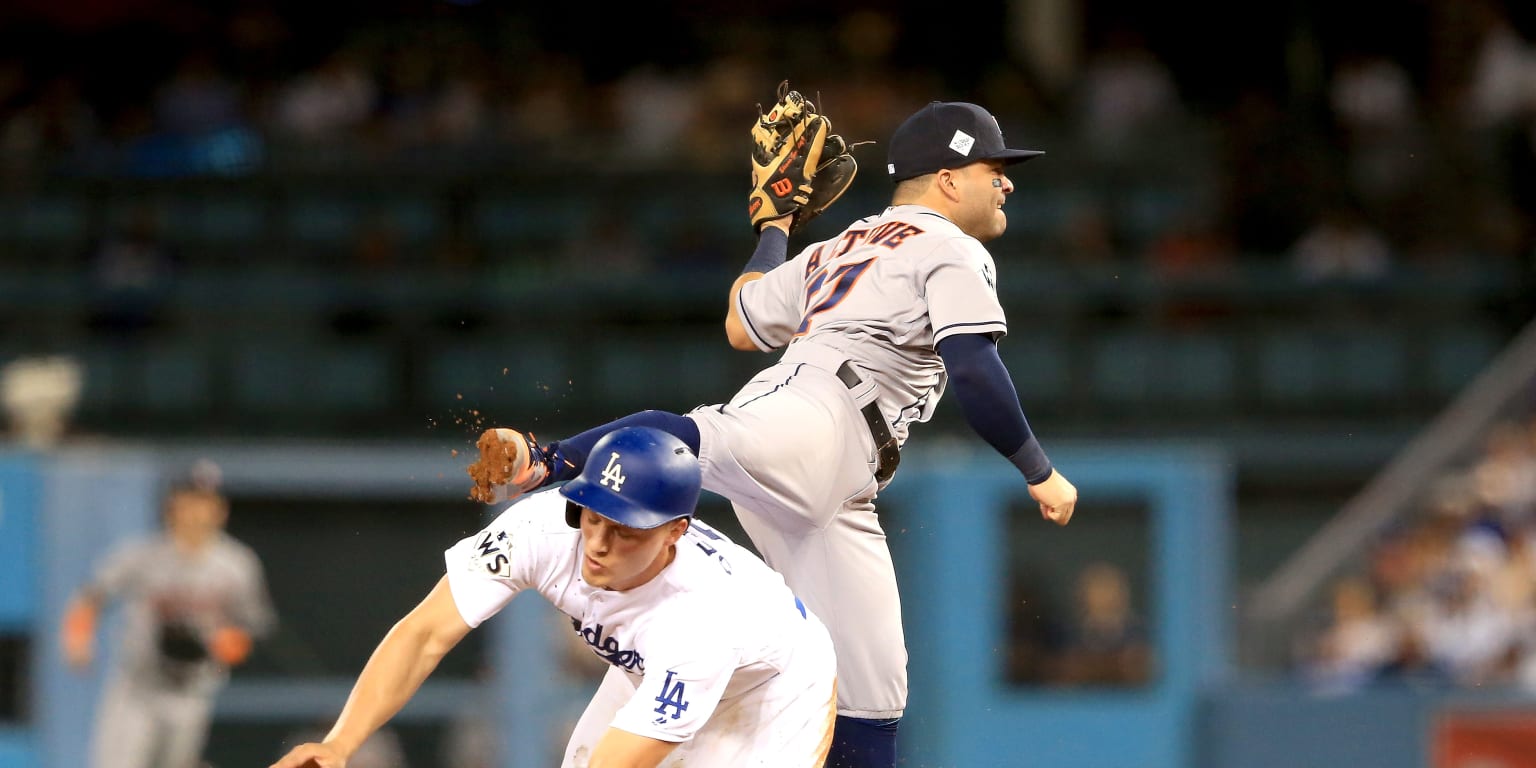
(799,167)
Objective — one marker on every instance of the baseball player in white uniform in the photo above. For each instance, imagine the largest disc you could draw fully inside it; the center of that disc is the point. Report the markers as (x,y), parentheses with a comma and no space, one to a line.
(713,660)
(874,324)
(194,598)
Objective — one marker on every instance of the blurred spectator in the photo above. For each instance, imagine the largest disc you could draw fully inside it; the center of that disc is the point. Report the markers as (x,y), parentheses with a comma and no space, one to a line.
(1106,643)
(1192,252)
(1384,143)
(1125,93)
(329,103)
(1503,79)
(56,121)
(1358,644)
(131,273)
(198,99)
(1341,245)
(1466,634)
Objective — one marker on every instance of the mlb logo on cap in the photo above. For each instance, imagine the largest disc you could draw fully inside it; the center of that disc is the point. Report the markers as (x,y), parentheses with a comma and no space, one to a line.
(949,134)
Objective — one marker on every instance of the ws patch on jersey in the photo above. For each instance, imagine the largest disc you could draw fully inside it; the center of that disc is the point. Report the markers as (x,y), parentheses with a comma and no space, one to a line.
(493,554)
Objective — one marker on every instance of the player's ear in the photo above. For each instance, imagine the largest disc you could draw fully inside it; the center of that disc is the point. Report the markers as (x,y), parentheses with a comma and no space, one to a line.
(679,527)
(945,179)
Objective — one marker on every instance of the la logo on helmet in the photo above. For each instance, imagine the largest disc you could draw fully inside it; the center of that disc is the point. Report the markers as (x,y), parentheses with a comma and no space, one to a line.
(613,473)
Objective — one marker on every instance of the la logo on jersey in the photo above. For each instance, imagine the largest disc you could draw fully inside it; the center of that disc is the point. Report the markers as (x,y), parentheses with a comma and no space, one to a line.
(613,473)
(671,696)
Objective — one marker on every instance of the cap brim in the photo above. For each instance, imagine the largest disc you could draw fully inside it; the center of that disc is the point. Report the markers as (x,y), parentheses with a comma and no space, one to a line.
(1011,156)
(581,494)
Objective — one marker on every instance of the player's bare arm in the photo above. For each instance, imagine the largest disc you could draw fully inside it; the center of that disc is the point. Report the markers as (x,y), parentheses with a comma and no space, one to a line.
(771,251)
(400,664)
(621,749)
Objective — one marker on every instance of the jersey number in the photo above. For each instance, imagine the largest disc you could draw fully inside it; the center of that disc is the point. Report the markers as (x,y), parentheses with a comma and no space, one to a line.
(671,696)
(704,530)
(830,289)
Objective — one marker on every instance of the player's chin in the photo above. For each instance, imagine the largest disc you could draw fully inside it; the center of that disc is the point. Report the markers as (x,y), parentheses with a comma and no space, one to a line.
(994,227)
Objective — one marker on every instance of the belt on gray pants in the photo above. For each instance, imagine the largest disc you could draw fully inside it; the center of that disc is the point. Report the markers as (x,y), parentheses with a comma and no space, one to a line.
(885,445)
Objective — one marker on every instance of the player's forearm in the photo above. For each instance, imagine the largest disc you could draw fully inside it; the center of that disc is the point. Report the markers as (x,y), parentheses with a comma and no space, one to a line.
(621,749)
(772,251)
(398,667)
(991,403)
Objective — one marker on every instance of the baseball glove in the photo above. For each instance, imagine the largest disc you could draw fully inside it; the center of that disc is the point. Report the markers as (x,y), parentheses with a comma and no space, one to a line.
(181,643)
(799,167)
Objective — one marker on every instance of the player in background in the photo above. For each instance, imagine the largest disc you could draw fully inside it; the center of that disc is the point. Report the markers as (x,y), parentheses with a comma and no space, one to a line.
(712,660)
(874,323)
(194,598)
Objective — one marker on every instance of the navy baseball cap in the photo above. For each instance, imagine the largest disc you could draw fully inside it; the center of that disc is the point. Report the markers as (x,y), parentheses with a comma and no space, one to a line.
(949,134)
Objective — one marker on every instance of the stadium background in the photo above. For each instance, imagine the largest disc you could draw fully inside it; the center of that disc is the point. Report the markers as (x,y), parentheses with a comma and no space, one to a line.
(327,244)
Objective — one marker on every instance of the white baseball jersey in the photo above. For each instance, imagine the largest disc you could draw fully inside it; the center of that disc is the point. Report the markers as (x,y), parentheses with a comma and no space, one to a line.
(794,454)
(716,630)
(883,293)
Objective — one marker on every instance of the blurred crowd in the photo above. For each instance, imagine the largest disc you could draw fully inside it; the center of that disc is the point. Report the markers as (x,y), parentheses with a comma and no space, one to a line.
(1449,599)
(1378,162)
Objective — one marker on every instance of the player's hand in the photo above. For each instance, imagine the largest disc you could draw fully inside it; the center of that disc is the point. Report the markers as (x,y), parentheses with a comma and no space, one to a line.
(79,650)
(230,645)
(78,638)
(1057,498)
(313,756)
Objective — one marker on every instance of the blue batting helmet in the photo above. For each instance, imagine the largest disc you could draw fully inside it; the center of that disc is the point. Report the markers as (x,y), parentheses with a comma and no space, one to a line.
(635,476)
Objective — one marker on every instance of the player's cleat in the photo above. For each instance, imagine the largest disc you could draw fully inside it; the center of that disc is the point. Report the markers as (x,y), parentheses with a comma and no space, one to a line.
(510,465)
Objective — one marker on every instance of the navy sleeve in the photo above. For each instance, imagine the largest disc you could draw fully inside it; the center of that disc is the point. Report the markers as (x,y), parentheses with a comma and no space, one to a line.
(772,250)
(990,402)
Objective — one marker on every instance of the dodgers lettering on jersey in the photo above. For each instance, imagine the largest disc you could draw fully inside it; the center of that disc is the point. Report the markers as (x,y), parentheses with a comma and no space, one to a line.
(715,624)
(883,293)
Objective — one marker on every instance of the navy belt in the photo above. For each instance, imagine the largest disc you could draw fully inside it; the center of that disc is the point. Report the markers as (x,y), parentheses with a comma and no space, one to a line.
(885,444)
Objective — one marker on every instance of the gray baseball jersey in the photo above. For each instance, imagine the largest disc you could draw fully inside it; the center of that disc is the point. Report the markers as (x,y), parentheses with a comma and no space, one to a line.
(794,454)
(160,584)
(155,710)
(883,293)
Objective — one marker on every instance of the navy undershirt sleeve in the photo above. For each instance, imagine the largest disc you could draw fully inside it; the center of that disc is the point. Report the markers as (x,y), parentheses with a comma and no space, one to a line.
(991,404)
(570,455)
(772,250)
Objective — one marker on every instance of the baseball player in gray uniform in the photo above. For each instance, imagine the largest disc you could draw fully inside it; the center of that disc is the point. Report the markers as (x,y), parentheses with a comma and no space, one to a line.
(713,662)
(194,598)
(874,324)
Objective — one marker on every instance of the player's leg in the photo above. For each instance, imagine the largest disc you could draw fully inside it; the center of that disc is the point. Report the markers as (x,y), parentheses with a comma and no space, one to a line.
(127,728)
(615,691)
(863,743)
(844,574)
(185,724)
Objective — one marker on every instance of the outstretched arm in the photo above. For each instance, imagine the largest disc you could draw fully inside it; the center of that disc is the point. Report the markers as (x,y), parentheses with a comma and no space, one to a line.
(991,405)
(400,664)
(772,250)
(621,749)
